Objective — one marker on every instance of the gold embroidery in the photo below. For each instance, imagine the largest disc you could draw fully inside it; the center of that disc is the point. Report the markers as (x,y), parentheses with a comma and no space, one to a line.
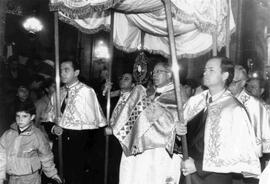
(213,120)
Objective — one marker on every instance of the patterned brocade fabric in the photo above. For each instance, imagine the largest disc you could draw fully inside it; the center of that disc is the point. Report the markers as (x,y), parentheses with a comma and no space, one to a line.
(82,109)
(226,148)
(146,122)
(259,115)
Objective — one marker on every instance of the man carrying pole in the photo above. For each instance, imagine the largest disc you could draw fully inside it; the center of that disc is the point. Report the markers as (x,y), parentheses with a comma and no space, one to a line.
(222,140)
(176,77)
(80,112)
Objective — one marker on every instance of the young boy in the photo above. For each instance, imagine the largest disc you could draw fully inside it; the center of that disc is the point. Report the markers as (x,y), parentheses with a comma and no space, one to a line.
(24,150)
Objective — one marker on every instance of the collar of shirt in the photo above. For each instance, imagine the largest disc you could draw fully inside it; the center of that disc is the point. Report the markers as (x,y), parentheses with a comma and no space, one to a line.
(241,93)
(165,88)
(216,96)
(72,85)
(26,131)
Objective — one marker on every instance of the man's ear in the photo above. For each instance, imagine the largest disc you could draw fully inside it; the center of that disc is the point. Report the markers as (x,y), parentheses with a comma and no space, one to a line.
(262,90)
(33,117)
(225,76)
(132,85)
(77,72)
(170,75)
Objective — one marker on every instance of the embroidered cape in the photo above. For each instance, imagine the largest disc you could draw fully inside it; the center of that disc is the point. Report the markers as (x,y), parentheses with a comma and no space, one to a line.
(82,109)
(260,118)
(229,141)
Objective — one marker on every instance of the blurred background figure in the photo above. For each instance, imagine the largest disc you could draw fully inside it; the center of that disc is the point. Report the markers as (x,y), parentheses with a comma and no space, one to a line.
(256,86)
(22,96)
(48,88)
(189,86)
(35,87)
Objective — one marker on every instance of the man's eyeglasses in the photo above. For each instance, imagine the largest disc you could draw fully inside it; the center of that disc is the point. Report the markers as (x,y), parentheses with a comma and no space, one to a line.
(159,72)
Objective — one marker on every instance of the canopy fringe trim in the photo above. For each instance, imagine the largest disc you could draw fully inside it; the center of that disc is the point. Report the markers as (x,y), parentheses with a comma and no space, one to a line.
(203,26)
(160,52)
(85,30)
(84,11)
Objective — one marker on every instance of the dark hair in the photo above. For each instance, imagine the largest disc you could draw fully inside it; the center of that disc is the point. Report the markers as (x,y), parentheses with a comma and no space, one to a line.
(190,82)
(132,78)
(226,65)
(47,84)
(27,106)
(262,83)
(12,58)
(24,87)
(166,65)
(74,64)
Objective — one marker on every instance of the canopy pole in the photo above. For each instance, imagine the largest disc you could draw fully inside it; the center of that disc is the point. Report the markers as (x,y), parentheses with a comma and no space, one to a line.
(228,29)
(214,48)
(176,77)
(57,82)
(215,39)
(239,33)
(108,107)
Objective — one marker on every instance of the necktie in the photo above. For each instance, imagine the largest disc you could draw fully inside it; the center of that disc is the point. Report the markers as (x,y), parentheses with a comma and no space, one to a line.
(206,110)
(199,138)
(210,100)
(63,106)
(157,94)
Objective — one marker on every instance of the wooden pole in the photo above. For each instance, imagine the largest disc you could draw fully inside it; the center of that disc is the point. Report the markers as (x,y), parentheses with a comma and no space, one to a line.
(57,81)
(3,8)
(176,77)
(108,107)
(238,58)
(214,38)
(228,31)
(214,48)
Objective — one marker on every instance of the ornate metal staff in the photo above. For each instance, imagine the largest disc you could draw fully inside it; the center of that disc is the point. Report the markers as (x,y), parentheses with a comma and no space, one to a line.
(176,77)
(57,81)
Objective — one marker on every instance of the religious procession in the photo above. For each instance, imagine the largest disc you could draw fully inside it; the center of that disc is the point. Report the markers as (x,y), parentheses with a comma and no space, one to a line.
(134,92)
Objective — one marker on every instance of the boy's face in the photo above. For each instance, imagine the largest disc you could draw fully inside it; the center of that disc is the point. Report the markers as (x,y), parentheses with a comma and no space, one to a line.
(23,119)
(68,74)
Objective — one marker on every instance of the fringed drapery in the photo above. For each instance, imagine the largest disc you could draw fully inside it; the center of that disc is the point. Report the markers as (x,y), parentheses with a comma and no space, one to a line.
(194,22)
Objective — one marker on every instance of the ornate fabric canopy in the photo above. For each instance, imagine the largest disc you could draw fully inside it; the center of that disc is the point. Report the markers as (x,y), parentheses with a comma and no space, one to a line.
(194,22)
